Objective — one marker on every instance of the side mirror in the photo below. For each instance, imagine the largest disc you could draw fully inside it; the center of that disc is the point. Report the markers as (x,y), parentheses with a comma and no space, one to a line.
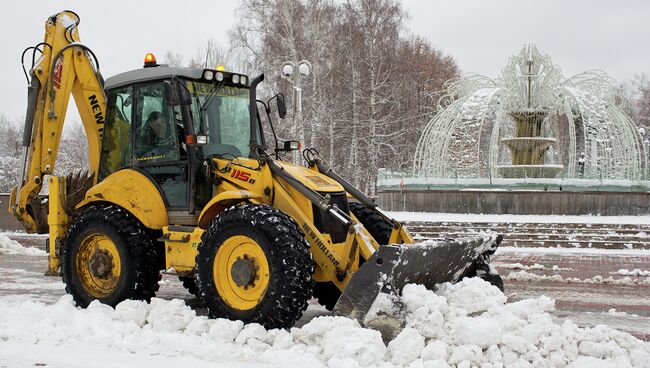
(282,107)
(289,146)
(174,98)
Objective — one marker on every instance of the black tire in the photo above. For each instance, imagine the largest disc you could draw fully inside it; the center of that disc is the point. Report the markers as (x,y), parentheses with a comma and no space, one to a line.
(139,275)
(327,294)
(376,225)
(290,265)
(190,284)
(495,280)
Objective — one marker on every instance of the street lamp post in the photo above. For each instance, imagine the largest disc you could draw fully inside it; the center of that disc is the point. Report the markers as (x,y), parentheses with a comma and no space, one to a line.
(288,73)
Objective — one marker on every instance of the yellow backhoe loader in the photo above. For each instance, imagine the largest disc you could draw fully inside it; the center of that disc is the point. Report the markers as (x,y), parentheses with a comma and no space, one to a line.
(182,180)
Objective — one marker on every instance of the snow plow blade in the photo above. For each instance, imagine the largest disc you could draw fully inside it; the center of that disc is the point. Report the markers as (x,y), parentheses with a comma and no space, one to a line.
(391,267)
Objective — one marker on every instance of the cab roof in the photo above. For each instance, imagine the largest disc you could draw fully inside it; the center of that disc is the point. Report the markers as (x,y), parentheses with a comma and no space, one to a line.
(150,74)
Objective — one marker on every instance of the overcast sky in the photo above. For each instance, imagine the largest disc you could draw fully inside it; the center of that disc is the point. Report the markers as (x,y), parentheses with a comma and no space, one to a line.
(579,35)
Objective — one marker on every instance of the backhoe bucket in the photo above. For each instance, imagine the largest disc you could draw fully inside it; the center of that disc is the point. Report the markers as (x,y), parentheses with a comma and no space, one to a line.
(391,267)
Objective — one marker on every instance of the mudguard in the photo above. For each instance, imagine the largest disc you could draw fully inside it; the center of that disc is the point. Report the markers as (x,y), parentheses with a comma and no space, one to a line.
(224,200)
(134,192)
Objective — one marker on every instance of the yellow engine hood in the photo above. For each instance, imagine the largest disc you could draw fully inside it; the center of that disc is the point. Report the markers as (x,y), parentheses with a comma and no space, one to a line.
(312,179)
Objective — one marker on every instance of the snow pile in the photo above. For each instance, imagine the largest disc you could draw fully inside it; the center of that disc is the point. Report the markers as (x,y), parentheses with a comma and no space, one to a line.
(626,281)
(634,272)
(10,246)
(519,266)
(463,325)
(614,312)
(536,266)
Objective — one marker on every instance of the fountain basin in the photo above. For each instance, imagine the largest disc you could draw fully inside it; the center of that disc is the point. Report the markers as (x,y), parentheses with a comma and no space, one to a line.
(529,171)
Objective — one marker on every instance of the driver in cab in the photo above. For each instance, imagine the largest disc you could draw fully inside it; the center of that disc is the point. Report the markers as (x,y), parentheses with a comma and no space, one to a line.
(157,141)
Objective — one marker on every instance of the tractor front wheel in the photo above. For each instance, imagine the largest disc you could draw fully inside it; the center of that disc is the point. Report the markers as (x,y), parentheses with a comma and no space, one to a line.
(254,265)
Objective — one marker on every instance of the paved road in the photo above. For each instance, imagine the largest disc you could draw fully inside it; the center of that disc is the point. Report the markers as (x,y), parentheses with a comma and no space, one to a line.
(620,306)
(623,307)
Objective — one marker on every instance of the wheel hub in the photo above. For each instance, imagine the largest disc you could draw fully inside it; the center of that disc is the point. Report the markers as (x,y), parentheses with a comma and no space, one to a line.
(101,264)
(244,271)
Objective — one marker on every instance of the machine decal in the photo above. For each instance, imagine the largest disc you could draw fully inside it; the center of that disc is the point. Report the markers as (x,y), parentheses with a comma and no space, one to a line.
(310,233)
(94,104)
(319,181)
(241,175)
(58,72)
(224,91)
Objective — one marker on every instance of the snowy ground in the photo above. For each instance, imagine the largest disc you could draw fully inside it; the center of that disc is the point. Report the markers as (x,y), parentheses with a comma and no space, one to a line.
(464,325)
(513,219)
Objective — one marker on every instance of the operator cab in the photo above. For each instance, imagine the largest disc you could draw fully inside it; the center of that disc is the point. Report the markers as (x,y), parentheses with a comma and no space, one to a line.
(165,122)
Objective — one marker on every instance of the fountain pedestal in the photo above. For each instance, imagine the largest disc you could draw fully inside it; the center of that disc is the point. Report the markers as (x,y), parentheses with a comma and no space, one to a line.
(528,148)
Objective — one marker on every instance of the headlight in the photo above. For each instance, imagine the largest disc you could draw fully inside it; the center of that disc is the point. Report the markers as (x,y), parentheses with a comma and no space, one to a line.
(235,78)
(243,80)
(219,77)
(208,74)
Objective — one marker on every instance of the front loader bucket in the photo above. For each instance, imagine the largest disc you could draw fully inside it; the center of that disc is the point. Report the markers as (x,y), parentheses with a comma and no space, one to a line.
(391,267)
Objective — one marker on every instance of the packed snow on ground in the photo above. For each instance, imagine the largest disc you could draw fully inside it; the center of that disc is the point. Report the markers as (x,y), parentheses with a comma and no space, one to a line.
(468,324)
(538,219)
(528,276)
(634,272)
(9,246)
(536,266)
(587,251)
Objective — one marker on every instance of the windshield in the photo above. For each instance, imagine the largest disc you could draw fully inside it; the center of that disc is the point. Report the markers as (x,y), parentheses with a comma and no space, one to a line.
(221,113)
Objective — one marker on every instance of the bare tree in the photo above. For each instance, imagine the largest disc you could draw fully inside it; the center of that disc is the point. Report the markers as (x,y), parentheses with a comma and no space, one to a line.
(213,54)
(173,59)
(641,102)
(372,88)
(73,151)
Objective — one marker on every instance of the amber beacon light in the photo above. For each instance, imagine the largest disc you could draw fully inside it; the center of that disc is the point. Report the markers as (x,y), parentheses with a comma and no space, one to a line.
(150,60)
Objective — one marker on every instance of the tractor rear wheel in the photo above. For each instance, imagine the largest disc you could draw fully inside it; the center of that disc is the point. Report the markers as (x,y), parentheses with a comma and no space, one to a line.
(107,256)
(376,225)
(327,294)
(254,265)
(190,284)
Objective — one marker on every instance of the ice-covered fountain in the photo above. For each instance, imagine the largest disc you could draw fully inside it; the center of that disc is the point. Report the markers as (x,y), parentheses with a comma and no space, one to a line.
(527,139)
(531,122)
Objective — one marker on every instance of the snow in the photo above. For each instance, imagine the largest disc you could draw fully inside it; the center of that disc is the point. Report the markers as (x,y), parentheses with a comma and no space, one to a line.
(627,281)
(466,324)
(536,266)
(9,246)
(557,250)
(538,219)
(634,272)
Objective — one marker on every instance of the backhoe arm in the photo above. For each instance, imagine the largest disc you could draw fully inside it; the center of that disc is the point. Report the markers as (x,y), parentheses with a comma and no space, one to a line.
(64,68)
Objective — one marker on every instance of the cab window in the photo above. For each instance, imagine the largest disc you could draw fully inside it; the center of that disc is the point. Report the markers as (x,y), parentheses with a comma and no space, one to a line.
(116,141)
(221,113)
(157,126)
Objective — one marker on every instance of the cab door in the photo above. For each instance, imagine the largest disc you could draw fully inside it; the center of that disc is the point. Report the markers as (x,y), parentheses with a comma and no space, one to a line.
(159,150)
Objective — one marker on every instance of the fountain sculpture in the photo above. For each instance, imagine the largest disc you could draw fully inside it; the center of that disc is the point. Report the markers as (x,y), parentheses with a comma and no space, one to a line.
(533,123)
